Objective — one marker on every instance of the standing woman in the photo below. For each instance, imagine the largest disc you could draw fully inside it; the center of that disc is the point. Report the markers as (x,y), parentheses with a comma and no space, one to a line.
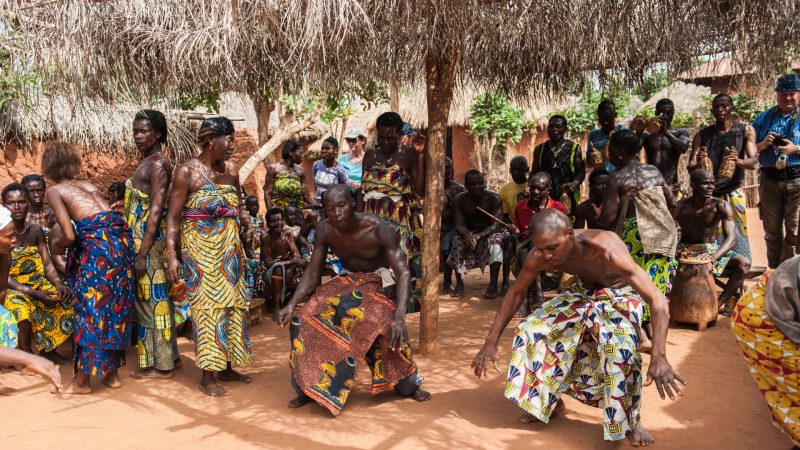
(393,180)
(286,184)
(201,217)
(356,140)
(327,171)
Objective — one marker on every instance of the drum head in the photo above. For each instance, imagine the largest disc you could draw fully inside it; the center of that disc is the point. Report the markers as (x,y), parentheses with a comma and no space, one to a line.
(694,261)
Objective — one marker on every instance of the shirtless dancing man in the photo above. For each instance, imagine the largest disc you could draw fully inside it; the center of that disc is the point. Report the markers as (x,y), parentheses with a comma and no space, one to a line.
(699,217)
(664,149)
(551,354)
(354,318)
(477,242)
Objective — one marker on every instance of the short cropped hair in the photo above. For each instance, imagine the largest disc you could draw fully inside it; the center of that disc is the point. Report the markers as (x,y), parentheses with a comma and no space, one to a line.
(390,119)
(725,97)
(665,102)
(289,147)
(272,212)
(559,117)
(472,173)
(16,187)
(156,119)
(627,140)
(607,105)
(60,161)
(33,177)
(332,140)
(596,173)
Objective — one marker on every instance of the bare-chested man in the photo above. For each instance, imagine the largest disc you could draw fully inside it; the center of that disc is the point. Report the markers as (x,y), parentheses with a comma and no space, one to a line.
(664,149)
(145,203)
(699,217)
(38,213)
(451,189)
(41,303)
(587,212)
(637,207)
(280,258)
(552,353)
(354,318)
(477,242)
(98,269)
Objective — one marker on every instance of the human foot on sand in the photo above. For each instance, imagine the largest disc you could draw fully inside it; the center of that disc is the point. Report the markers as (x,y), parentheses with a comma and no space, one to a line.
(523,310)
(530,418)
(640,437)
(448,288)
(491,291)
(7,391)
(151,373)
(459,291)
(505,286)
(231,375)
(420,395)
(74,387)
(299,401)
(112,380)
(213,390)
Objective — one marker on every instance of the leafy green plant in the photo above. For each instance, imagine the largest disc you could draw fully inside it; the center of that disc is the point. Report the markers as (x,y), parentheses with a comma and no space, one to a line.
(206,98)
(492,114)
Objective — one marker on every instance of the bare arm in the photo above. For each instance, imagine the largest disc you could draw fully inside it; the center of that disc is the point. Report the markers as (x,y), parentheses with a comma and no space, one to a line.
(750,149)
(497,211)
(514,297)
(580,219)
(398,332)
(269,182)
(728,229)
(309,200)
(669,197)
(177,198)
(62,217)
(679,140)
(697,148)
(50,272)
(305,230)
(159,183)
(418,173)
(458,218)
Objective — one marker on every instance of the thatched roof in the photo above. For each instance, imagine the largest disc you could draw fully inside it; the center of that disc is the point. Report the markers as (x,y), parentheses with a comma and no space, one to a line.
(687,97)
(727,66)
(156,47)
(95,124)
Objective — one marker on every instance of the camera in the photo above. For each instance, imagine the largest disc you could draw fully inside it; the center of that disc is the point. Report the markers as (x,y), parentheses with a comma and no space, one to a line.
(780,141)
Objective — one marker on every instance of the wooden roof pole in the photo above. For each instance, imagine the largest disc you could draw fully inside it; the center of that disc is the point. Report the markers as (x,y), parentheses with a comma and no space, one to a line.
(440,73)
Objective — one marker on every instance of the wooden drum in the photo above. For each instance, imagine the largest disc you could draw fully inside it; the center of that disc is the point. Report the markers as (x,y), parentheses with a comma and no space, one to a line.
(693,298)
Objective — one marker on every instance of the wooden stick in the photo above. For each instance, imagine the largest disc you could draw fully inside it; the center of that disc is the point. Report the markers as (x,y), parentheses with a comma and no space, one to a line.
(493,217)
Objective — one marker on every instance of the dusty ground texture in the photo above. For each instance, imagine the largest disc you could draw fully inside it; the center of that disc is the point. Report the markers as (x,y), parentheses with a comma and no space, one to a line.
(721,407)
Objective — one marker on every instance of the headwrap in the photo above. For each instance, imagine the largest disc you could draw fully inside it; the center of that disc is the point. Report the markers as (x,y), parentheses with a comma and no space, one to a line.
(408,129)
(5,217)
(788,82)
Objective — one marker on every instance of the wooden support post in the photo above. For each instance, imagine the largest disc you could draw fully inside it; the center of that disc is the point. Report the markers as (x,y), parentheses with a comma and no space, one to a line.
(394,96)
(440,73)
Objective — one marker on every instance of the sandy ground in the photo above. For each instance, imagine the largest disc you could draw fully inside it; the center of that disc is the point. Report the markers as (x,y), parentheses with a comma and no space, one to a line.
(721,408)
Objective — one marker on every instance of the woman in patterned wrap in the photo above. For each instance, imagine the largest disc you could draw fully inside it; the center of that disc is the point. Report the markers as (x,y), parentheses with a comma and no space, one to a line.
(99,268)
(392,181)
(286,184)
(201,218)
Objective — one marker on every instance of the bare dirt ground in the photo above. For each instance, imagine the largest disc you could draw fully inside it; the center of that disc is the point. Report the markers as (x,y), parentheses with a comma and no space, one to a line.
(721,407)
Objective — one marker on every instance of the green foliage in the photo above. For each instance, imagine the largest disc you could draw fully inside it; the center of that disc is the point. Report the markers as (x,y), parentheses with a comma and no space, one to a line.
(745,109)
(656,80)
(340,100)
(206,98)
(583,117)
(493,114)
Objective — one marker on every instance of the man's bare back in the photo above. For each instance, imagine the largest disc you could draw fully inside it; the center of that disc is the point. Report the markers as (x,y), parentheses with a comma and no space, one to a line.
(634,176)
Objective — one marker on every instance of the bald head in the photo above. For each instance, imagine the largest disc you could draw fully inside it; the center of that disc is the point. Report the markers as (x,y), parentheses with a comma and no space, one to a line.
(336,193)
(548,221)
(701,175)
(542,177)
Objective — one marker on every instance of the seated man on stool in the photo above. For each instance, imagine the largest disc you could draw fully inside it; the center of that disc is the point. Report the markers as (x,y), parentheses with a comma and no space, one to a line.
(699,216)
(477,241)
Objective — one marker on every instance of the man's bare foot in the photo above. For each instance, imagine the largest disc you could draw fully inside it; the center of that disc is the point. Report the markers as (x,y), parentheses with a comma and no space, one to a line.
(523,311)
(299,401)
(491,292)
(178,363)
(112,380)
(152,373)
(448,288)
(232,375)
(213,390)
(459,291)
(55,358)
(73,388)
(420,395)
(530,418)
(26,373)
(646,345)
(725,310)
(7,391)
(640,437)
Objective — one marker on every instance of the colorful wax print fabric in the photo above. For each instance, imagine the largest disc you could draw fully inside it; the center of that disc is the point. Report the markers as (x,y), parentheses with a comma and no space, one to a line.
(287,190)
(739,206)
(462,260)
(660,268)
(693,251)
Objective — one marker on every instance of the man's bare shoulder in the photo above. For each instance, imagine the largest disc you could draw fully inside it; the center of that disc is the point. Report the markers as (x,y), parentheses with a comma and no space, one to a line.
(492,194)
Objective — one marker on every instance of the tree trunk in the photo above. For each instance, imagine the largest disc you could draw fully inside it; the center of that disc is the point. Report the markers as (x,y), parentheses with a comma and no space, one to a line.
(508,159)
(342,134)
(285,131)
(440,75)
(263,107)
(394,96)
(491,148)
(478,157)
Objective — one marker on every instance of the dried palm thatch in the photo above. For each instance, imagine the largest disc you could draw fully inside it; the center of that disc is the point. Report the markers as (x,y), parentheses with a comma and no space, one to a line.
(96,125)
(157,47)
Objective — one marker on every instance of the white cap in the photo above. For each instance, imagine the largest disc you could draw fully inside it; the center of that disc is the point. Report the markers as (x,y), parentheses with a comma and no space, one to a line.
(355,133)
(5,217)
